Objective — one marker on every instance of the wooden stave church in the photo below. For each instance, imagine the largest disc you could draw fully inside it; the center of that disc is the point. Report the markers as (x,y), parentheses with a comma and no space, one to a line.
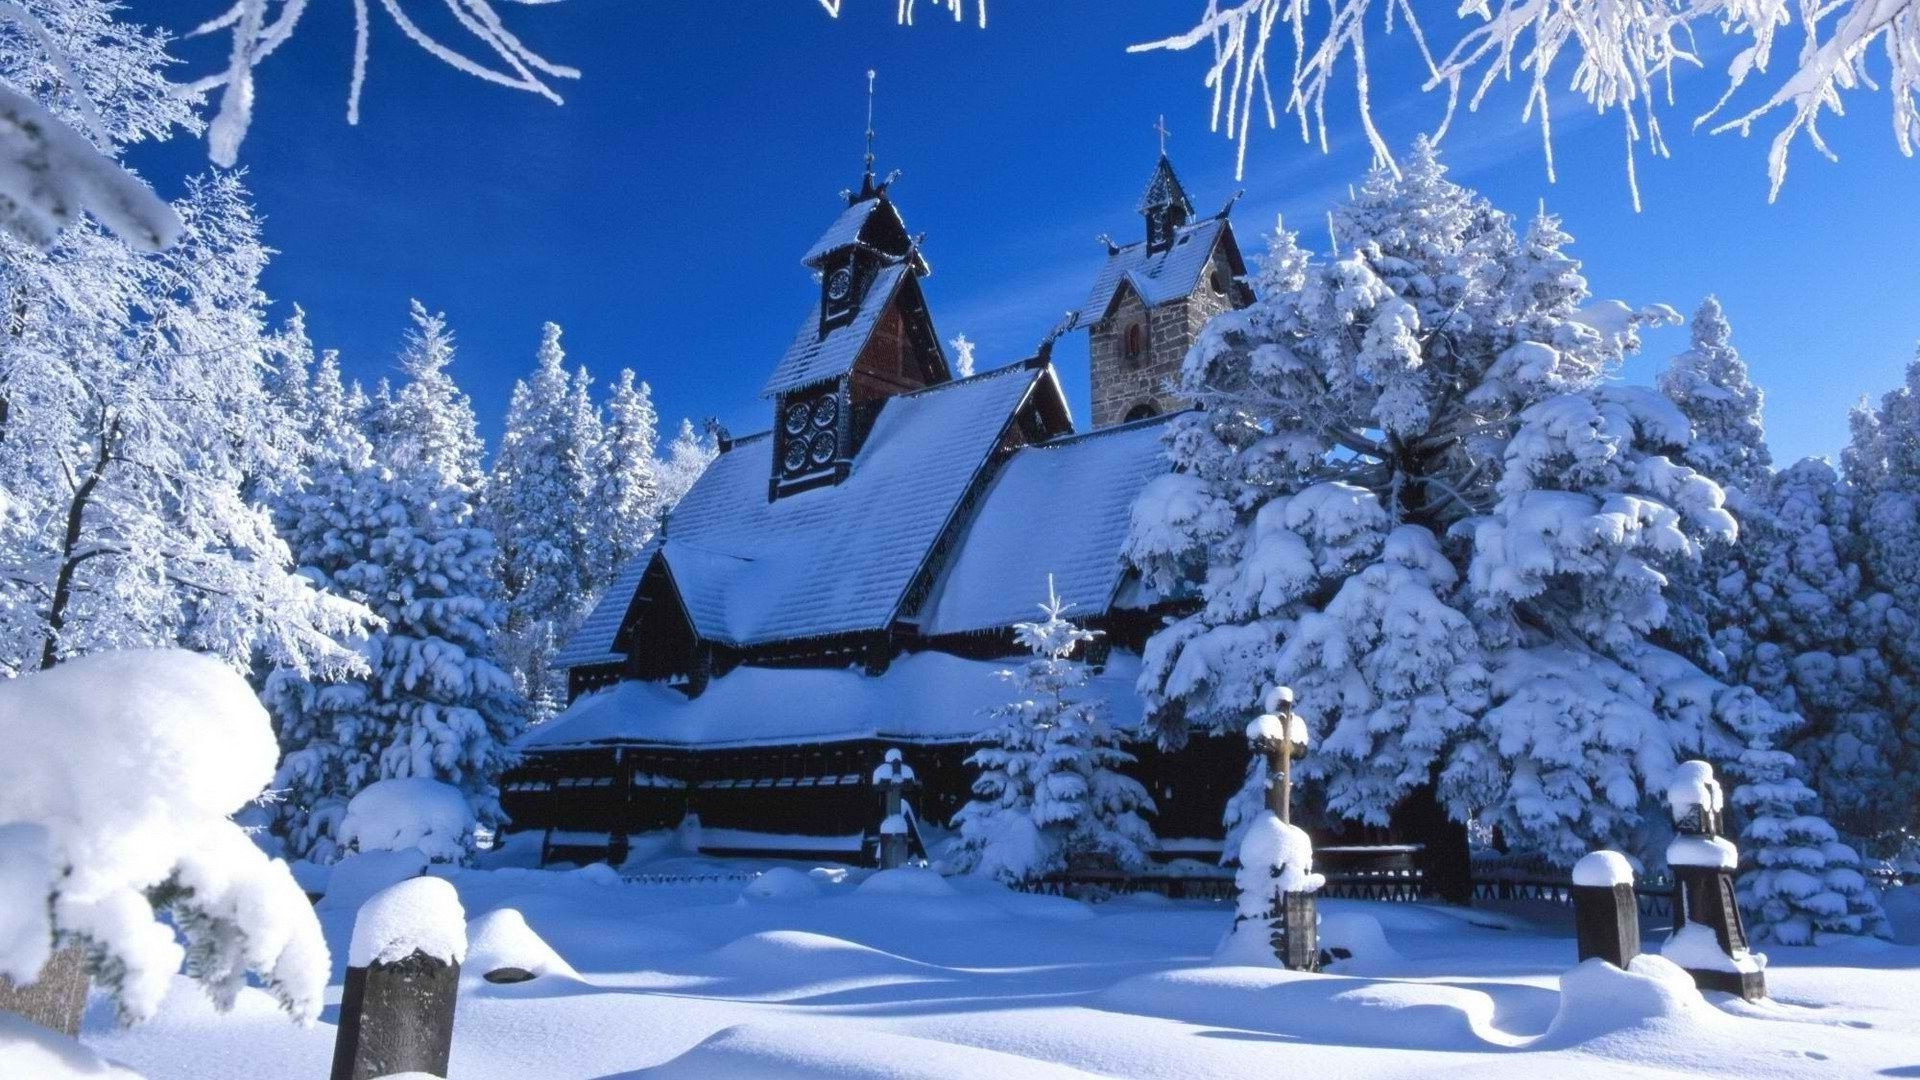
(933,510)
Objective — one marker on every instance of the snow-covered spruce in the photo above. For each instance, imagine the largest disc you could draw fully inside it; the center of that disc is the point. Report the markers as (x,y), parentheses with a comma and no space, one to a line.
(1802,881)
(396,531)
(94,844)
(687,457)
(1419,501)
(1051,795)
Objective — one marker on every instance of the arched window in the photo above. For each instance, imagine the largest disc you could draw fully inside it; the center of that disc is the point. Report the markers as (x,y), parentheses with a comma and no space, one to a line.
(1135,344)
(1218,282)
(1141,411)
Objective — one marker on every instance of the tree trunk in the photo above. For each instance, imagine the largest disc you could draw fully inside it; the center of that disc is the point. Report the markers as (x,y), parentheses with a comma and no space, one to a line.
(70,541)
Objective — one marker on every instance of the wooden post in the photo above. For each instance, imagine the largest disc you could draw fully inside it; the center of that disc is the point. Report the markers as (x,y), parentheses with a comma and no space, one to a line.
(1606,917)
(57,998)
(1704,906)
(396,1018)
(892,777)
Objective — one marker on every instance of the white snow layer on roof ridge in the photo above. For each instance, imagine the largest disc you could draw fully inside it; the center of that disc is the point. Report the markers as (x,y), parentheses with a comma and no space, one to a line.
(926,697)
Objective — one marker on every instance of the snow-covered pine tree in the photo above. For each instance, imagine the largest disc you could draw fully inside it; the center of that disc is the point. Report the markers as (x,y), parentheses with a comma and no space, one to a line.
(429,421)
(137,431)
(434,702)
(1802,882)
(1413,496)
(1709,382)
(629,496)
(1882,463)
(1050,793)
(541,509)
(688,456)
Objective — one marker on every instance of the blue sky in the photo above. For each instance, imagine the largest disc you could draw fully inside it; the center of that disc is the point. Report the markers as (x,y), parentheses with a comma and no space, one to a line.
(659,215)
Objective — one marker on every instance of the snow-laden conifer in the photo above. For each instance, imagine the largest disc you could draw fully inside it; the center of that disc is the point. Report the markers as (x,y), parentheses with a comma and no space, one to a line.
(1050,794)
(687,457)
(630,494)
(1801,881)
(1413,495)
(429,422)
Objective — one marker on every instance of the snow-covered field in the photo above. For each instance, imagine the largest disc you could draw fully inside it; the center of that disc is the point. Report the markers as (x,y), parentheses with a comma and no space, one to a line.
(906,974)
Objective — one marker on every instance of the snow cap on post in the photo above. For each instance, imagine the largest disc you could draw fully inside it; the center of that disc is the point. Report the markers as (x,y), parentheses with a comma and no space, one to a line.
(893,770)
(1716,852)
(1693,785)
(1278,697)
(419,915)
(1603,869)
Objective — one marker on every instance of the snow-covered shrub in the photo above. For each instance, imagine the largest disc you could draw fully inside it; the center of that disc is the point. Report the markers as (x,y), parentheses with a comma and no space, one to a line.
(119,776)
(1414,495)
(1050,792)
(410,812)
(1802,881)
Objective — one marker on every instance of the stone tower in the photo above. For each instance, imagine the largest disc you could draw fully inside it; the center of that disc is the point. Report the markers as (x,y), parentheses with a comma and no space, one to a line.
(1153,297)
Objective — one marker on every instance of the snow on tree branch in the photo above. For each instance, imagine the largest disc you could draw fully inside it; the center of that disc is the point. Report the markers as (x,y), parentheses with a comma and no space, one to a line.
(1622,55)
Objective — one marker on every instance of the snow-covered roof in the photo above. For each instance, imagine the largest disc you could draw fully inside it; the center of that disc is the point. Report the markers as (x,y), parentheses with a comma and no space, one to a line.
(845,230)
(1160,276)
(836,559)
(1059,508)
(924,697)
(813,356)
(592,641)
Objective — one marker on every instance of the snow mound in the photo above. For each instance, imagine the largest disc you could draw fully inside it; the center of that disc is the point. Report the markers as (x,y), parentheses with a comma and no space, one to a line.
(410,812)
(29,1050)
(422,914)
(598,873)
(1696,948)
(502,939)
(756,1051)
(357,877)
(1603,869)
(805,956)
(1355,933)
(781,884)
(915,881)
(1597,999)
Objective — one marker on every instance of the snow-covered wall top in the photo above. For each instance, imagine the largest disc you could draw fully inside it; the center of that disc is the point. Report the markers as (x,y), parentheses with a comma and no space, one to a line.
(1159,277)
(925,697)
(835,559)
(1061,508)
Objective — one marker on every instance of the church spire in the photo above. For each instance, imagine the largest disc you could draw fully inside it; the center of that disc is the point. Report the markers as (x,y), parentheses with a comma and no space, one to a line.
(1165,205)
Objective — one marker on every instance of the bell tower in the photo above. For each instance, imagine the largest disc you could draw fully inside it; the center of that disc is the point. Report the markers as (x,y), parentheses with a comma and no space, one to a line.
(1153,297)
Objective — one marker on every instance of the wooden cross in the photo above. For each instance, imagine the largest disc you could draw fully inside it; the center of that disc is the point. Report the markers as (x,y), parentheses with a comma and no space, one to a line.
(1161,127)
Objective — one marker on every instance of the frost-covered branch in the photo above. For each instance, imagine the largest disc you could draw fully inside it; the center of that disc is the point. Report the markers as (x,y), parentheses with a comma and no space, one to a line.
(1617,55)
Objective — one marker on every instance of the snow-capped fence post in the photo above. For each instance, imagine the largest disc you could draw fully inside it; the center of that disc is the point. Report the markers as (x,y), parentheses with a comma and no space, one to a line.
(403,975)
(1709,939)
(891,778)
(1276,858)
(1606,918)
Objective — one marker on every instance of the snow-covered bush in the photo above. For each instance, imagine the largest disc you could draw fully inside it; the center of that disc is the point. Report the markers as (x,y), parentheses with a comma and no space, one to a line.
(1802,881)
(410,812)
(1414,495)
(1050,793)
(119,776)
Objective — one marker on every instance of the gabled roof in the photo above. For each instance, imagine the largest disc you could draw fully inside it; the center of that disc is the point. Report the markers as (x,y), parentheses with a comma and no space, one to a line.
(813,357)
(845,229)
(592,642)
(928,697)
(837,559)
(1061,508)
(1157,277)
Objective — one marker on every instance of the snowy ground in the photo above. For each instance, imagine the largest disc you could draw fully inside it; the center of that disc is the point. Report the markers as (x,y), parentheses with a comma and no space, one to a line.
(908,975)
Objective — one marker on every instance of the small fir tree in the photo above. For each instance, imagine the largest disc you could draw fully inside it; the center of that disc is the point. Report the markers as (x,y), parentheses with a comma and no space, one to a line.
(1050,794)
(1801,881)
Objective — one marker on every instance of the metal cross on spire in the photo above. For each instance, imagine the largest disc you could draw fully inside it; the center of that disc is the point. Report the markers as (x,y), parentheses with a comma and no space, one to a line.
(1160,126)
(870,80)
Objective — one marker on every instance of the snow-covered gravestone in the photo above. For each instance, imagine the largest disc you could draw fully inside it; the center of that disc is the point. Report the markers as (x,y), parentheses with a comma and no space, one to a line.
(403,975)
(1276,883)
(891,778)
(1709,939)
(1606,917)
